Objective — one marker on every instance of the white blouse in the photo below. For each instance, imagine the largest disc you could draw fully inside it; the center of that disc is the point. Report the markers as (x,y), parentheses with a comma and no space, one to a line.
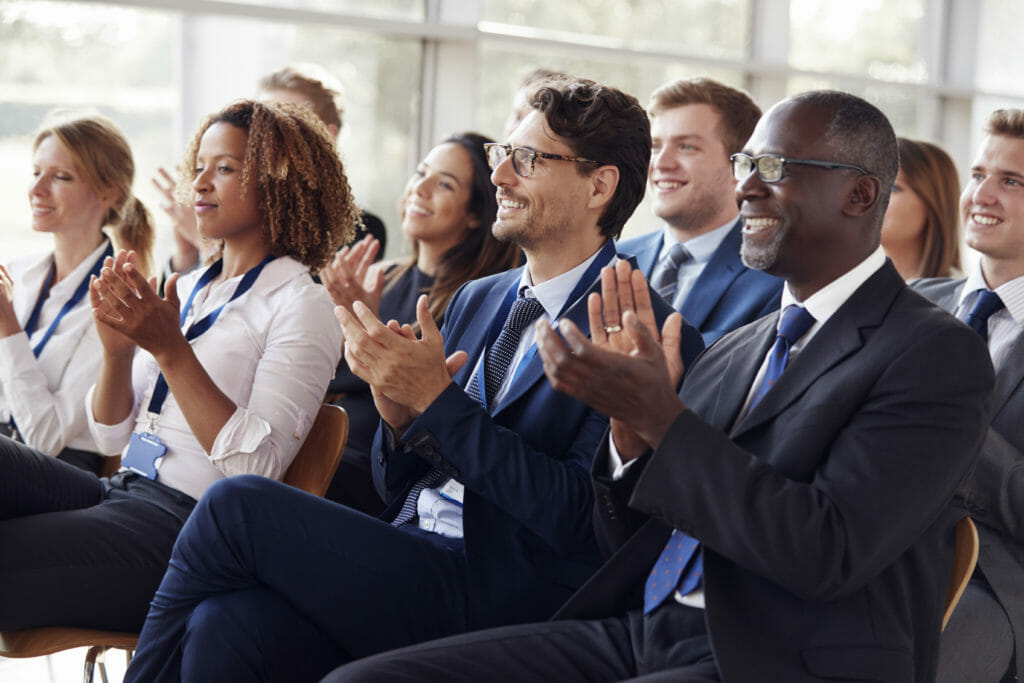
(44,395)
(272,351)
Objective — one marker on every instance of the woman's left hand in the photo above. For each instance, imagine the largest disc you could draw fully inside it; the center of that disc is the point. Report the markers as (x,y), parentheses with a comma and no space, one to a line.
(8,320)
(130,305)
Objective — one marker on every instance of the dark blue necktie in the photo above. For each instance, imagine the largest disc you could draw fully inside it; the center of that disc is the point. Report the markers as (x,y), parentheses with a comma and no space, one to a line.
(523,312)
(680,565)
(987,303)
(795,323)
(666,280)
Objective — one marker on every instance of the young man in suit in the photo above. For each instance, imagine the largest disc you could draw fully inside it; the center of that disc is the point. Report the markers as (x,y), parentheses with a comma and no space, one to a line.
(486,465)
(694,262)
(785,516)
(988,624)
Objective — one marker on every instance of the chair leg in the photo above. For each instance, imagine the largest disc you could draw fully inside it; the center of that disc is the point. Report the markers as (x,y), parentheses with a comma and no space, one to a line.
(94,656)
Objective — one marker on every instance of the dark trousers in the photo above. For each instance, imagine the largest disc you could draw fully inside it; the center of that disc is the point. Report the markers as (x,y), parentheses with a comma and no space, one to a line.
(76,550)
(267,582)
(977,643)
(668,645)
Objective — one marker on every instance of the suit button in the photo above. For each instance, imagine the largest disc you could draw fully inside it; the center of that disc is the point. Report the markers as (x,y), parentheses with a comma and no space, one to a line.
(380,459)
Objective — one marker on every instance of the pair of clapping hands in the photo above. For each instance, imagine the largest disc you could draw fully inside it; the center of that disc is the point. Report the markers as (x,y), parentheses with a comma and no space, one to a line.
(627,370)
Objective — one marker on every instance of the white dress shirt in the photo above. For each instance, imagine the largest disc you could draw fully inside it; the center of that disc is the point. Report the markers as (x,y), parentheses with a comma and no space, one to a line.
(44,395)
(272,351)
(1005,325)
(440,509)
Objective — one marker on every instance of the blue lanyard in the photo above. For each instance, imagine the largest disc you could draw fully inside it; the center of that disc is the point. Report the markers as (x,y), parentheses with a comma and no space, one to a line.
(75,299)
(603,258)
(156,401)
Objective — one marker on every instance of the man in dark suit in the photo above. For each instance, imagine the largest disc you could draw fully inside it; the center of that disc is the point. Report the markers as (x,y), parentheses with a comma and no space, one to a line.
(694,262)
(786,516)
(486,465)
(988,624)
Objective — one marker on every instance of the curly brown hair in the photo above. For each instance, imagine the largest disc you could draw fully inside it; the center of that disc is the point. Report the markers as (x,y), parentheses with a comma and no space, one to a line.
(291,162)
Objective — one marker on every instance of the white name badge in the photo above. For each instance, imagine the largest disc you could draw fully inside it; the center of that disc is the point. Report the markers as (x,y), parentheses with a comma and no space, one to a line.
(453,491)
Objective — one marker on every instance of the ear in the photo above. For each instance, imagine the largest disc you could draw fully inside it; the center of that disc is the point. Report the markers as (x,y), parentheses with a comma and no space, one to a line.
(472,221)
(109,196)
(604,181)
(864,196)
(332,129)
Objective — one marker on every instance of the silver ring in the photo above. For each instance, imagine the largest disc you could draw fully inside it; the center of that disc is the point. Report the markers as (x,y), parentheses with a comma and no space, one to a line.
(612,328)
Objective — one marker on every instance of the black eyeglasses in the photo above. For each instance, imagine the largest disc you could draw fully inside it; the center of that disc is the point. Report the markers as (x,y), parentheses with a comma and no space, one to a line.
(771,168)
(524,158)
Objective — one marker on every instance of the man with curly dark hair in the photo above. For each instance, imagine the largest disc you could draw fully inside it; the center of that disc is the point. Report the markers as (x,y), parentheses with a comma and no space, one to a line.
(486,466)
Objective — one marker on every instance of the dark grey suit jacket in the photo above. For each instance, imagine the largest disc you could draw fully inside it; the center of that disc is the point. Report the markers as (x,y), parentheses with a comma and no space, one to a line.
(824,512)
(994,494)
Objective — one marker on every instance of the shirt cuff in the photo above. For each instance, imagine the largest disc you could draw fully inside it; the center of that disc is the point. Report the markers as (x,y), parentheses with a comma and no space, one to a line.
(615,464)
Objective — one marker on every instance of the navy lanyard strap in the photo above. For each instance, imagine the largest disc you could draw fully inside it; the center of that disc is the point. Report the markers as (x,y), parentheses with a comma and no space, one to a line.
(75,299)
(603,258)
(156,401)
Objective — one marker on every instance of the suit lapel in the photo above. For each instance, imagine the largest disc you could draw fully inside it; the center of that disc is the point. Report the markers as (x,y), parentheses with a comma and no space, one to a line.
(720,402)
(1010,375)
(648,256)
(715,278)
(474,338)
(841,336)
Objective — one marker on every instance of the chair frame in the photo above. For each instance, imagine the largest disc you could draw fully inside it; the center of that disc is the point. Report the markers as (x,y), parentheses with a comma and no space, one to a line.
(311,470)
(965,558)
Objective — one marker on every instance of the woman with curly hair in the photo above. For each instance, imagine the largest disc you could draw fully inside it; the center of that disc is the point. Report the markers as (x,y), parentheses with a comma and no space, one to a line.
(447,210)
(81,194)
(222,376)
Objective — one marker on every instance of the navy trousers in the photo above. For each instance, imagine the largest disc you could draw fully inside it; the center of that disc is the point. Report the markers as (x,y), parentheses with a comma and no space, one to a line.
(267,582)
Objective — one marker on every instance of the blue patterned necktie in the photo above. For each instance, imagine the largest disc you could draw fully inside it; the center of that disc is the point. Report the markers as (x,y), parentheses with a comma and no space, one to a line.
(795,323)
(680,565)
(987,303)
(523,312)
(664,282)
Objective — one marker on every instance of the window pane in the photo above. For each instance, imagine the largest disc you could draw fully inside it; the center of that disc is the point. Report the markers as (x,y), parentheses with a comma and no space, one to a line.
(998,67)
(58,54)
(900,105)
(878,38)
(384,9)
(710,27)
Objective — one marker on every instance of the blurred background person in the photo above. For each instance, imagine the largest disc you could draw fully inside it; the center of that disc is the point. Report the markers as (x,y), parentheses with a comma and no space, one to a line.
(521,99)
(82,172)
(447,211)
(921,229)
(307,85)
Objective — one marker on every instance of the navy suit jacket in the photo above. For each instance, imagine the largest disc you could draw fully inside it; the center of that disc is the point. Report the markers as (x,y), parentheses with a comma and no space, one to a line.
(994,493)
(725,295)
(527,509)
(824,511)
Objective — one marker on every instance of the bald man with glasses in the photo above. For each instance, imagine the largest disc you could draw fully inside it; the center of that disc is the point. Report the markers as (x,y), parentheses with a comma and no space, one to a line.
(485,464)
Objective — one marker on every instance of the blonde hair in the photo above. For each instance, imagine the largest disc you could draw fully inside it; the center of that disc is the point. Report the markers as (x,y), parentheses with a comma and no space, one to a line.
(313,83)
(103,157)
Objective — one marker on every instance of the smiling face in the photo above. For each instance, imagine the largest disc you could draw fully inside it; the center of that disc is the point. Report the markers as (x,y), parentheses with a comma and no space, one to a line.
(690,175)
(992,208)
(63,202)
(435,206)
(547,209)
(222,210)
(793,228)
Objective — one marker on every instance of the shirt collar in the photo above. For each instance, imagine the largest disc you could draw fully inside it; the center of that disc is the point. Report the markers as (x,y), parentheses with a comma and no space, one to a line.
(700,247)
(827,300)
(1012,293)
(554,293)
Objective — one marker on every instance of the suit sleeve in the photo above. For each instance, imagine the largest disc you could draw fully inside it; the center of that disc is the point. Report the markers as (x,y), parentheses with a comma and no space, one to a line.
(890,460)
(994,494)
